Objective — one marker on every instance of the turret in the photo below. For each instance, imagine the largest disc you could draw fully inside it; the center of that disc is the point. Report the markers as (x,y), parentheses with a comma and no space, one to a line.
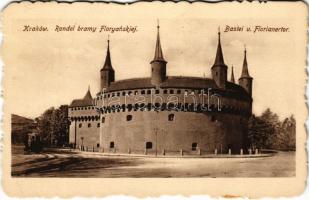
(232,75)
(88,95)
(158,64)
(219,69)
(107,72)
(245,80)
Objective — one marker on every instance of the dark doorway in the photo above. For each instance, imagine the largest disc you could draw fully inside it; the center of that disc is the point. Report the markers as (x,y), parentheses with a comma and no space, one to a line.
(194,146)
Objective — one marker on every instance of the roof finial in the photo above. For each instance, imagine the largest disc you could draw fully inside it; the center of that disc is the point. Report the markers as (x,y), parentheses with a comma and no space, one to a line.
(108,42)
(89,87)
(158,24)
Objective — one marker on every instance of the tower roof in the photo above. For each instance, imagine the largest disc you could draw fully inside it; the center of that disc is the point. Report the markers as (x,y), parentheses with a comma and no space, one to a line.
(245,71)
(86,101)
(108,63)
(88,95)
(219,56)
(158,50)
(232,75)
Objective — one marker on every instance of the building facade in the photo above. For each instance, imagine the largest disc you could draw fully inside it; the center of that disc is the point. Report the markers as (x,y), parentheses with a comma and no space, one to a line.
(164,114)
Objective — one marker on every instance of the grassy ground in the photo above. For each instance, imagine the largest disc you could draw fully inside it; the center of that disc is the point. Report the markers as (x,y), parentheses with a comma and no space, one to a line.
(72,164)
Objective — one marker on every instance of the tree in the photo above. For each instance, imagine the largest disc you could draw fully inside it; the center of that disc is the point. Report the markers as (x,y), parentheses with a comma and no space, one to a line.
(267,131)
(258,132)
(53,126)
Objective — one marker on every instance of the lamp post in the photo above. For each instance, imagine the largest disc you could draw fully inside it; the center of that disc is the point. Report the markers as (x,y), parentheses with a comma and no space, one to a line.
(82,138)
(75,135)
(156,132)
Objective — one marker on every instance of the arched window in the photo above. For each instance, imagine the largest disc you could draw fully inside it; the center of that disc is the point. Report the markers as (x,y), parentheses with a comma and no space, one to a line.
(103,119)
(111,145)
(194,146)
(80,125)
(98,125)
(129,117)
(98,145)
(148,145)
(171,91)
(89,125)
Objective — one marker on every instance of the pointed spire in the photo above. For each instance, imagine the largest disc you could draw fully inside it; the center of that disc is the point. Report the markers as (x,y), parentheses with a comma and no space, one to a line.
(88,95)
(108,62)
(232,75)
(219,56)
(158,51)
(245,71)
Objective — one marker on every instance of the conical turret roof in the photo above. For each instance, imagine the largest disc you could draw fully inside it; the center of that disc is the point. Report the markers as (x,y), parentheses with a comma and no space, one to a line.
(108,63)
(86,101)
(219,60)
(158,50)
(88,95)
(245,71)
(232,76)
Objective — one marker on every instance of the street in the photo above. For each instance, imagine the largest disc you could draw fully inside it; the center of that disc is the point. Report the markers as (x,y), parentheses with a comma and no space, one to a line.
(84,165)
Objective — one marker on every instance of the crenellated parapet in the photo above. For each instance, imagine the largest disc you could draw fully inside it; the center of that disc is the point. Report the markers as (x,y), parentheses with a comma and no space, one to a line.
(199,99)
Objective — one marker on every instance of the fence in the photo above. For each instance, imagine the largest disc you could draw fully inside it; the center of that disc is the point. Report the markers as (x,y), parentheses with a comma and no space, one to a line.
(167,152)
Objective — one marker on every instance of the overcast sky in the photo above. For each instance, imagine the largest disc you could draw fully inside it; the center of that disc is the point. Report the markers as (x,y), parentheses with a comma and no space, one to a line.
(44,69)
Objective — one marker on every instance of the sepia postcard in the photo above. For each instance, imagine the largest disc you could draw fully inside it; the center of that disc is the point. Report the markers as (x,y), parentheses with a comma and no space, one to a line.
(154,98)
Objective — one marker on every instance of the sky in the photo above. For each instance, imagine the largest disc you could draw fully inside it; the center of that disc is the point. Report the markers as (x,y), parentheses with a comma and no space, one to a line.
(45,69)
